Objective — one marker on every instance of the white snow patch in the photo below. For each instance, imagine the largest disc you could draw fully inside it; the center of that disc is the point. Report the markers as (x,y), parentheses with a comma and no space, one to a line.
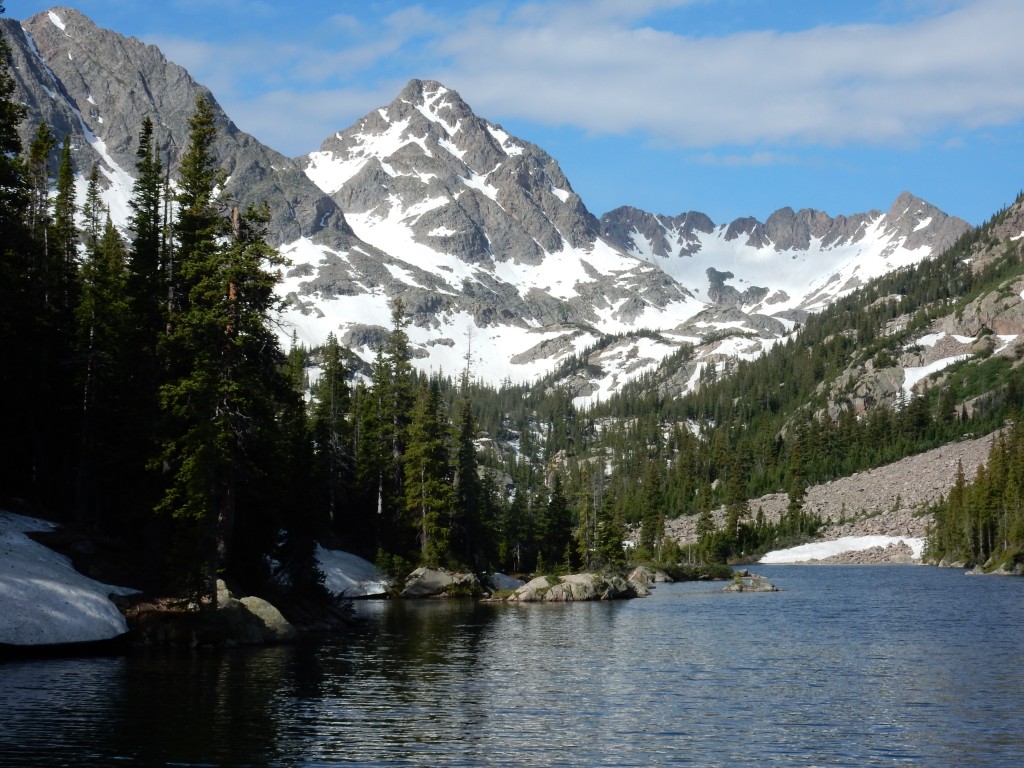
(913,375)
(479,183)
(819,550)
(506,142)
(330,173)
(43,599)
(561,194)
(931,339)
(57,21)
(1006,340)
(350,575)
(923,223)
(448,146)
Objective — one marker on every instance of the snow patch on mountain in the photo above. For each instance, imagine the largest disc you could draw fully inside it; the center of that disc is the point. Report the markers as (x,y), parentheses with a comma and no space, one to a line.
(58,22)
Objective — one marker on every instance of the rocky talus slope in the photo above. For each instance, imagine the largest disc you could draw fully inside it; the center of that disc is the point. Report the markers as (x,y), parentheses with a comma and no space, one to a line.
(889,500)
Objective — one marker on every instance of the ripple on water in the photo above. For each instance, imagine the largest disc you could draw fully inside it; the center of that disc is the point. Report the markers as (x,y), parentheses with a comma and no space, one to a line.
(846,667)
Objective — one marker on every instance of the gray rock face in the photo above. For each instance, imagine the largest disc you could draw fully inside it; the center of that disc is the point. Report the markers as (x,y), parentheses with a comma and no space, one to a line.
(1000,311)
(463,187)
(647,577)
(668,235)
(720,293)
(922,224)
(92,83)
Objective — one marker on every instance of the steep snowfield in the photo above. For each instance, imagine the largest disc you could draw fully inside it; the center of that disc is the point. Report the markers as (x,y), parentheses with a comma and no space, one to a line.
(808,279)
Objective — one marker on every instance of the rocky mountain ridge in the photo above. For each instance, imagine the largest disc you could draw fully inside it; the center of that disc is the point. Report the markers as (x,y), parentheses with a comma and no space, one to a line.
(497,260)
(96,86)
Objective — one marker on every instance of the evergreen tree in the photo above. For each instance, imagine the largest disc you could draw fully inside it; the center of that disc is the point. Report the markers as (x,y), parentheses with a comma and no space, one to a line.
(104,465)
(383,433)
(515,548)
(93,210)
(148,278)
(611,533)
(333,437)
(429,495)
(737,508)
(37,172)
(470,536)
(65,240)
(221,403)
(652,531)
(555,525)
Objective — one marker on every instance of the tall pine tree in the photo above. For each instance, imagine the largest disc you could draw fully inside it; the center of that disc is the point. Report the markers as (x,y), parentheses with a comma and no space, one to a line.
(226,369)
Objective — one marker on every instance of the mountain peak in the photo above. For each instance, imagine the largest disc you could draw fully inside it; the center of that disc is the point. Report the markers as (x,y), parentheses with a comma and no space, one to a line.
(423,91)
(61,16)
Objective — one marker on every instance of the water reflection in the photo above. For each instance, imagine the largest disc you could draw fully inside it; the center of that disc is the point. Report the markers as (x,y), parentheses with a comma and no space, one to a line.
(846,667)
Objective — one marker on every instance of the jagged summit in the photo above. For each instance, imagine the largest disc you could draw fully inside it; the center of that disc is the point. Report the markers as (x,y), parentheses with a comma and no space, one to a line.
(504,199)
(97,86)
(802,259)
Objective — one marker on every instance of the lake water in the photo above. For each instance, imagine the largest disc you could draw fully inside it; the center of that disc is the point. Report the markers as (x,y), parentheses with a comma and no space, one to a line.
(848,666)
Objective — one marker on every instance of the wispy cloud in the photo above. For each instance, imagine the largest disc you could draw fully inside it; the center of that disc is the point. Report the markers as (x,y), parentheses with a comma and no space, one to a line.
(607,67)
(753,159)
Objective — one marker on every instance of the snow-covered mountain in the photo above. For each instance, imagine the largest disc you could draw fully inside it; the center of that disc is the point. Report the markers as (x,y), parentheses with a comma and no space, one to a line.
(495,257)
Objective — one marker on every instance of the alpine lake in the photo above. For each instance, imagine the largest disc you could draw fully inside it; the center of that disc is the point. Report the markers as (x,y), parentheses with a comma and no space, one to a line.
(846,666)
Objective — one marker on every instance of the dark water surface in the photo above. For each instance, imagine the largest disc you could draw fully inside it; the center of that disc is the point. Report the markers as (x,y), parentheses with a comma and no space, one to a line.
(849,666)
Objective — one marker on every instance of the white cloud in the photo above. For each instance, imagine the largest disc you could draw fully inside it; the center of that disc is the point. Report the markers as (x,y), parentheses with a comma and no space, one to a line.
(604,67)
(830,85)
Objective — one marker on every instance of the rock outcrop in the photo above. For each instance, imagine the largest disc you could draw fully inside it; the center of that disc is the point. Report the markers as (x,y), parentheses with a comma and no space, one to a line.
(645,576)
(577,587)
(245,621)
(438,582)
(896,553)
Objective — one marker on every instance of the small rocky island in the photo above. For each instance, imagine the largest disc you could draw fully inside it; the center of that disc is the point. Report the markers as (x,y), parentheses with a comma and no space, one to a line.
(577,587)
(750,582)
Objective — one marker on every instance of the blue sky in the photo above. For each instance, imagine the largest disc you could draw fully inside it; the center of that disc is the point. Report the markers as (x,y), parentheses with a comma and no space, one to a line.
(730,107)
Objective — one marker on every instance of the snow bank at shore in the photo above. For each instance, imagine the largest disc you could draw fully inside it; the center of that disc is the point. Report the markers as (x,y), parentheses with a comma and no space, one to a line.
(819,550)
(43,599)
(350,575)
